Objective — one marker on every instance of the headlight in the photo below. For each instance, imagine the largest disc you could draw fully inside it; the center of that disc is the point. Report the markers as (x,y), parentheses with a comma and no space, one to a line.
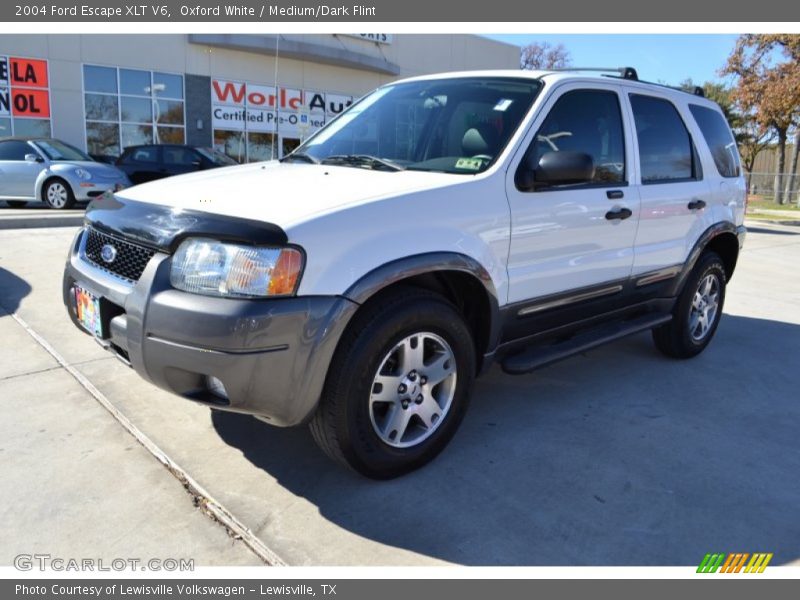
(83,174)
(206,266)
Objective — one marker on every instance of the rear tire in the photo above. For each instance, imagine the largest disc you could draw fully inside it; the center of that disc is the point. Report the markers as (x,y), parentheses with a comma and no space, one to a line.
(58,194)
(697,310)
(398,386)
(17,203)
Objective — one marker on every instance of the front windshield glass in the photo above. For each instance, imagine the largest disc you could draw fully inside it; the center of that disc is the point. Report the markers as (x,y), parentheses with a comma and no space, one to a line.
(457,125)
(57,150)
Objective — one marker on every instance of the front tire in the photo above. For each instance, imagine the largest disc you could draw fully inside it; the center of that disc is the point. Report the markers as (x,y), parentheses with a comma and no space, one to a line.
(697,311)
(398,386)
(58,194)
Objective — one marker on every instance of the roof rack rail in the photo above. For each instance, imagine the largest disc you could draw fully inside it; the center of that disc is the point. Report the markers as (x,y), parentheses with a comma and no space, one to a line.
(624,72)
(695,90)
(631,74)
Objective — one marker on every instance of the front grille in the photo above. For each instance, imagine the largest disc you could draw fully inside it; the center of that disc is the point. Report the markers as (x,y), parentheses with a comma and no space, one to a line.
(130,259)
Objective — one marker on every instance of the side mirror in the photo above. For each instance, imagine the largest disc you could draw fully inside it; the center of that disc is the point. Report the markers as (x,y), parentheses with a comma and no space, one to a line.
(556,168)
(33,158)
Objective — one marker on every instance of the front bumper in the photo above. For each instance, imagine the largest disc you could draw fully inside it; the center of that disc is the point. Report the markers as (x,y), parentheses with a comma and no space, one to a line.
(271,355)
(85,191)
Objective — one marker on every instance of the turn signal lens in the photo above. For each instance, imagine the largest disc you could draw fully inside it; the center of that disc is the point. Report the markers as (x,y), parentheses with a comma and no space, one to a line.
(286,272)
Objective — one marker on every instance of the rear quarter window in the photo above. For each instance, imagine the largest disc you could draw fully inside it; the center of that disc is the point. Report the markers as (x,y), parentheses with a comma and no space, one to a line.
(719,138)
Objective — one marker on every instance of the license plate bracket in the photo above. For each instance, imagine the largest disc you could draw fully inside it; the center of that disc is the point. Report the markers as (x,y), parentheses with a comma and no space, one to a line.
(89,311)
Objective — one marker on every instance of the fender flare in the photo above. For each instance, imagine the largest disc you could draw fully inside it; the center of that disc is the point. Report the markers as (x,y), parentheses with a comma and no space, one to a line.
(700,245)
(431,262)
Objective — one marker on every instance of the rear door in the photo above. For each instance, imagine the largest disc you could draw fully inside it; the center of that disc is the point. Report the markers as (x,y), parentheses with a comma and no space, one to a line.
(564,238)
(673,192)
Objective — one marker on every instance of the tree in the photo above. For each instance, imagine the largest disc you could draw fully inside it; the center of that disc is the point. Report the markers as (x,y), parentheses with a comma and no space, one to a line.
(767,69)
(543,56)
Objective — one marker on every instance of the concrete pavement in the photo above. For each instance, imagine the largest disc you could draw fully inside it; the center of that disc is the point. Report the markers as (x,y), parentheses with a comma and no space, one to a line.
(76,485)
(619,457)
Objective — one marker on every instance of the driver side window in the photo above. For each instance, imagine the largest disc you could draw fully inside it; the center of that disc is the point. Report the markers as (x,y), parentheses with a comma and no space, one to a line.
(589,122)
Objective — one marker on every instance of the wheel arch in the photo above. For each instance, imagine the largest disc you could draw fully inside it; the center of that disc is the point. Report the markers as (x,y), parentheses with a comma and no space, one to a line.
(725,239)
(458,277)
(45,179)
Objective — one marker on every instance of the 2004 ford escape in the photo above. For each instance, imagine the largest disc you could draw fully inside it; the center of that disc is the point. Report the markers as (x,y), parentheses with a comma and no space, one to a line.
(440,224)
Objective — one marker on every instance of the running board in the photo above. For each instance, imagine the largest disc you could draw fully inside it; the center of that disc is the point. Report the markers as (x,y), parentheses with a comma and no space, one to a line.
(537,357)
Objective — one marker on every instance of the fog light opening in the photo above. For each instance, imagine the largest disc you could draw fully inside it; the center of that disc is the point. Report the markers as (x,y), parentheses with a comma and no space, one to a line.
(216,387)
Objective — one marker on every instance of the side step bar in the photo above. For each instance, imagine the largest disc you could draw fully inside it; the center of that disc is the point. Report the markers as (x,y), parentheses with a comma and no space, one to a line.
(536,357)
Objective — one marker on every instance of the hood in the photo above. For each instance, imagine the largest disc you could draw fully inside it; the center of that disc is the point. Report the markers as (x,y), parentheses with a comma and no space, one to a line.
(282,193)
(97,169)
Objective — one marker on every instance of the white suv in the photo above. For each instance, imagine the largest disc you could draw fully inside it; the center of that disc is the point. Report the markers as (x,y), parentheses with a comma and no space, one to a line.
(439,225)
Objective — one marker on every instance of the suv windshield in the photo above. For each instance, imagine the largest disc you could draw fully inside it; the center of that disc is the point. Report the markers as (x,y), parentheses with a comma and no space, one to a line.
(57,150)
(457,125)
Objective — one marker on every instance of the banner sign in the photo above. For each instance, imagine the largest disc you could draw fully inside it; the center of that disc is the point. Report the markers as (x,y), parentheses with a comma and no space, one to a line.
(240,106)
(24,90)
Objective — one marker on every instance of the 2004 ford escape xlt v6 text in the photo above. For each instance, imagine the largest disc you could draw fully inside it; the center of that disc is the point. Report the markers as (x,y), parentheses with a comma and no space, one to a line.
(440,224)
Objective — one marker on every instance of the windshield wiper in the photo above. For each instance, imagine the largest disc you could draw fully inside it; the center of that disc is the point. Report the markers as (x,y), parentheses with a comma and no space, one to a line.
(301,156)
(362,159)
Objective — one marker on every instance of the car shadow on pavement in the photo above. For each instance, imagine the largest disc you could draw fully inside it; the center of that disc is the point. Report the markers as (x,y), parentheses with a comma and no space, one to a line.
(12,290)
(617,457)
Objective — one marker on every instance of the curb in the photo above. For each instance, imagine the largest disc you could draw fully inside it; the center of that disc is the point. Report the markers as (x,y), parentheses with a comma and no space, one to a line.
(35,222)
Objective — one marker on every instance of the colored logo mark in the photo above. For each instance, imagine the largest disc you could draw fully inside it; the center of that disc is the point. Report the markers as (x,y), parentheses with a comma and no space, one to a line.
(735,562)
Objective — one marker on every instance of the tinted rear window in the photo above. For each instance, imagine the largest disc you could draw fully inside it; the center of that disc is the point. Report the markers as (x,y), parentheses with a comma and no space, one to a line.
(719,138)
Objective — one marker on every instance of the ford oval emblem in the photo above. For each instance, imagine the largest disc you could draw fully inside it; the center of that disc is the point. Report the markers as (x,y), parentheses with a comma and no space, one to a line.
(108,253)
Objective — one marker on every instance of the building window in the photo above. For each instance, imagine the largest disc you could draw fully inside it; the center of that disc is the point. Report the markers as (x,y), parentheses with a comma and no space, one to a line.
(131,107)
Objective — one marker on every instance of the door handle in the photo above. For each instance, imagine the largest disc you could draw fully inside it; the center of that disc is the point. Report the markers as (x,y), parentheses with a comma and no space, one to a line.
(614,194)
(696,204)
(619,214)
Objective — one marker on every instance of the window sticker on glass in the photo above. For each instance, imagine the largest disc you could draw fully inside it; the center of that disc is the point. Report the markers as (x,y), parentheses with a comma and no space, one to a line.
(503,104)
(469,164)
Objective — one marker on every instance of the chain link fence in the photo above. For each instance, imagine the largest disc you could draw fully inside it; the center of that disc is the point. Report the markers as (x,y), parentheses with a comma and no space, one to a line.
(762,184)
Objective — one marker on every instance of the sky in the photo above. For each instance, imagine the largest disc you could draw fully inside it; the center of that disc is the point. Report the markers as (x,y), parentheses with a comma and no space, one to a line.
(670,58)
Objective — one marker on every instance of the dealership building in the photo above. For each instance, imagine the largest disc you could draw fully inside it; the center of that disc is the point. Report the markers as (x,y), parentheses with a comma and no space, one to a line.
(254,97)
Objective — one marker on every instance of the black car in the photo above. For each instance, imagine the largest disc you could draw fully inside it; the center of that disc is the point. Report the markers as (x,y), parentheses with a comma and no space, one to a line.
(155,161)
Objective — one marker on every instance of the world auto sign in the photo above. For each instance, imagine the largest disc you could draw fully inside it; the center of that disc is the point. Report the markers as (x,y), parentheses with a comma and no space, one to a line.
(240,106)
(24,88)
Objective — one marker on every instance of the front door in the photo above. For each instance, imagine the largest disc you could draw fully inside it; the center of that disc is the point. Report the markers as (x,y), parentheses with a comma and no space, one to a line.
(575,237)
(17,176)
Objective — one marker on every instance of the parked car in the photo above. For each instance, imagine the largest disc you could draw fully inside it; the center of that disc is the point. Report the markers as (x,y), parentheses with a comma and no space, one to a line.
(155,161)
(440,225)
(51,171)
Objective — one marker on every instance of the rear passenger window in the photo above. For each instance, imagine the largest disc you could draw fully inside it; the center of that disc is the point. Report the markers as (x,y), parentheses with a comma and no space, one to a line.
(587,121)
(719,138)
(666,152)
(176,155)
(148,154)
